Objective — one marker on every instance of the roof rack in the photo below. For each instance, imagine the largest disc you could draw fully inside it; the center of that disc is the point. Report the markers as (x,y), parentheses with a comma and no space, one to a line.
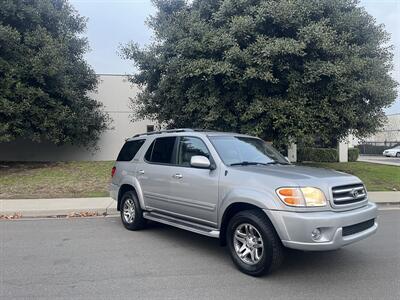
(165,131)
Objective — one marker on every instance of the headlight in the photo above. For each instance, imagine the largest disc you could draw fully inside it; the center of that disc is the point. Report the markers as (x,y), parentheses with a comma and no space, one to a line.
(305,196)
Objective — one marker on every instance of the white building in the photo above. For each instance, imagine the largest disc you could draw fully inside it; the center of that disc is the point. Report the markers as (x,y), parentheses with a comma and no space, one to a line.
(114,91)
(389,133)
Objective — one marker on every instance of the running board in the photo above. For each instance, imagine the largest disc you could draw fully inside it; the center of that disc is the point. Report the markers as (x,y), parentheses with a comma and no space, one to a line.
(200,229)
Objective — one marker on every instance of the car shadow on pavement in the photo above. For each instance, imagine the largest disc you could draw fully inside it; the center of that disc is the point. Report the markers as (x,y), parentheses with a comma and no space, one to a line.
(296,264)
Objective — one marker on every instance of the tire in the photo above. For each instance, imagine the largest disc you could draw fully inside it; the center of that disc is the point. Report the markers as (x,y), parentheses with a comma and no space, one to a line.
(266,258)
(131,212)
(398,154)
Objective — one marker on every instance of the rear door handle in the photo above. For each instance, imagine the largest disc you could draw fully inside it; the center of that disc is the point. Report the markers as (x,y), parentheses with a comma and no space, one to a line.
(177,176)
(141,172)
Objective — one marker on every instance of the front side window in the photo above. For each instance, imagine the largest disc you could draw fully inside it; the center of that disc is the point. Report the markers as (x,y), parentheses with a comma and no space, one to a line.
(129,150)
(162,151)
(236,150)
(191,146)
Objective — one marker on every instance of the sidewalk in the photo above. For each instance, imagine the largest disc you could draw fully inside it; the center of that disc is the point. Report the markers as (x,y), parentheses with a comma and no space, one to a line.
(107,206)
(58,207)
(380,159)
(385,197)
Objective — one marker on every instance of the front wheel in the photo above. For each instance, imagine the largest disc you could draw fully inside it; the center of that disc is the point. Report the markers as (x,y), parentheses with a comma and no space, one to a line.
(131,212)
(254,246)
(398,154)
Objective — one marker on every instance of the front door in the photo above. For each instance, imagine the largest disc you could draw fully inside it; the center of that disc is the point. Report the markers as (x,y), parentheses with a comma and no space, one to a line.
(193,191)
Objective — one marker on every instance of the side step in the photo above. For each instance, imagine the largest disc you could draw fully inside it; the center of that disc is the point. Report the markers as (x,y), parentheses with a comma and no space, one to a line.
(200,229)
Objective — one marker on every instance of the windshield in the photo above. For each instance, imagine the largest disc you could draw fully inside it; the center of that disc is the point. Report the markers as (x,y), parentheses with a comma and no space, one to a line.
(238,150)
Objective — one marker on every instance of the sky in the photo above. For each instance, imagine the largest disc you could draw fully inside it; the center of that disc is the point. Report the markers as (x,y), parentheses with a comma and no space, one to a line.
(112,23)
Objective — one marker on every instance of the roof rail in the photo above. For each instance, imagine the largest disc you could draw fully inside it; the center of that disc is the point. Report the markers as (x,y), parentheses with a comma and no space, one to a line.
(166,131)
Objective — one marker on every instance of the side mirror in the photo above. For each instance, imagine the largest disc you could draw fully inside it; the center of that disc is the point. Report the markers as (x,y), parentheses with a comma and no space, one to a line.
(198,161)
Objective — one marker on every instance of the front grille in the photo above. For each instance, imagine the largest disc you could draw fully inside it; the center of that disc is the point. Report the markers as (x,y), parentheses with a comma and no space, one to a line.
(356,228)
(348,194)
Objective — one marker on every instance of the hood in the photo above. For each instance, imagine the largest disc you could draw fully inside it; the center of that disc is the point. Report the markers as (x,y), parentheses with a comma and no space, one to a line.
(300,175)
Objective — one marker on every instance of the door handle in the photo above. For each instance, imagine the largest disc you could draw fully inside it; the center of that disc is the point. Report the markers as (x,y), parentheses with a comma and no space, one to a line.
(141,172)
(177,176)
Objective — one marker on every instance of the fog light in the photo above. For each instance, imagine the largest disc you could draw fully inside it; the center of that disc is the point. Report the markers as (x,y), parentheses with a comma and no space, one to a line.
(316,234)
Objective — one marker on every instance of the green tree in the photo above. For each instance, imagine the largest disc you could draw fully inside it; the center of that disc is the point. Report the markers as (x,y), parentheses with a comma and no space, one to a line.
(44,80)
(273,68)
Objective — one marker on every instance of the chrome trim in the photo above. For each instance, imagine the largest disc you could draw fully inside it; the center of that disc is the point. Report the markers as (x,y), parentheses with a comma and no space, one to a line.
(347,190)
(340,199)
(339,202)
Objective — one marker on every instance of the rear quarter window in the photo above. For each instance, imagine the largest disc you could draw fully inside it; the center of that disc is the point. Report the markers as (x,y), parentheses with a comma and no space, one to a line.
(162,151)
(129,150)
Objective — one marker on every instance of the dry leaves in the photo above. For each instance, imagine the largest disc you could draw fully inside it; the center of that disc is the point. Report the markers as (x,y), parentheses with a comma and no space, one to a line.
(81,214)
(11,217)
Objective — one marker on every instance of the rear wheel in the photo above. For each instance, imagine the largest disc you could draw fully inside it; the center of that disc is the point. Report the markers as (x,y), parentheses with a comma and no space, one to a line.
(131,212)
(398,154)
(253,244)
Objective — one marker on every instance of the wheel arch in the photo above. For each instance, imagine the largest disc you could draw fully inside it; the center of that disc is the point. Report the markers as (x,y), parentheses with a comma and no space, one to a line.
(229,212)
(130,183)
(122,190)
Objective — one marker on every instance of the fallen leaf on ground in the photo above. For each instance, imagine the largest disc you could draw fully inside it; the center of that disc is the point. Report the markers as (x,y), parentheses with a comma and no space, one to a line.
(11,217)
(81,214)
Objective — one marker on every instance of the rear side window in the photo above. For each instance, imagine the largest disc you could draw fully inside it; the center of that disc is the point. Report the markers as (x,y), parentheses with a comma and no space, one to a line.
(129,150)
(162,150)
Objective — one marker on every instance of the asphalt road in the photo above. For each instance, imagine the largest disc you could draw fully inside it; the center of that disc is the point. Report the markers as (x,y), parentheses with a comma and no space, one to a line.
(98,258)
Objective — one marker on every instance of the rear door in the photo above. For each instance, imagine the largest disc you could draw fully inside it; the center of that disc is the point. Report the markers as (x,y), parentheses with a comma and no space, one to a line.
(154,172)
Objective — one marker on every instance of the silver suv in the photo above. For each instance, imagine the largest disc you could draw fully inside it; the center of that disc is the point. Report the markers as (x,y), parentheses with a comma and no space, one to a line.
(241,190)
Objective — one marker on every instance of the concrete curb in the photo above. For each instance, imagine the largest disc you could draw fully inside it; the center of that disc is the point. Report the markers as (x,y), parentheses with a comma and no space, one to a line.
(105,206)
(101,206)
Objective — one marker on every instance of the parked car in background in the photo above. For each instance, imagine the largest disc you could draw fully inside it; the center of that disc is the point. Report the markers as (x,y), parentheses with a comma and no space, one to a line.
(393,152)
(241,190)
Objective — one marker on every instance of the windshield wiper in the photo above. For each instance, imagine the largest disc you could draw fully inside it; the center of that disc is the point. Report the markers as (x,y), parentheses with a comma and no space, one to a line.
(254,163)
(276,163)
(249,163)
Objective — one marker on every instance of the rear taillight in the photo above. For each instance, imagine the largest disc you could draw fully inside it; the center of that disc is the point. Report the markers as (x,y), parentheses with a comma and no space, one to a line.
(113,171)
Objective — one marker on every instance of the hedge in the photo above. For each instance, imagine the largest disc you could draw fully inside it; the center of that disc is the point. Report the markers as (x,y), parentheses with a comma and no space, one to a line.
(324,154)
(353,154)
(318,154)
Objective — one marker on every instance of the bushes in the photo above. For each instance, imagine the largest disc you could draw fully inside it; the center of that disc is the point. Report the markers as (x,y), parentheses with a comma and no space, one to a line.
(318,154)
(353,154)
(324,154)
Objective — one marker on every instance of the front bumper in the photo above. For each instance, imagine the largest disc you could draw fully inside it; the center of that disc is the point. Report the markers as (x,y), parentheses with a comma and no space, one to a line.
(294,228)
(389,154)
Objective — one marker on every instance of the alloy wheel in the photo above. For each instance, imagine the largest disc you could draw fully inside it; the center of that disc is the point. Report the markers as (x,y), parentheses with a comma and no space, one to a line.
(129,211)
(248,243)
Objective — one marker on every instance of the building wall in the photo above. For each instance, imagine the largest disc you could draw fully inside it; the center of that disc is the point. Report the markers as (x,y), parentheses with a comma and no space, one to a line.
(389,133)
(114,91)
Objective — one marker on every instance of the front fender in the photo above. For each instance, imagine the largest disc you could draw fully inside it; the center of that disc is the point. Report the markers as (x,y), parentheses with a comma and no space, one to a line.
(259,198)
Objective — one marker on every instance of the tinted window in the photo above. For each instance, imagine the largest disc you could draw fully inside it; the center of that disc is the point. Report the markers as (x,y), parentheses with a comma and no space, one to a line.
(161,151)
(190,146)
(129,150)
